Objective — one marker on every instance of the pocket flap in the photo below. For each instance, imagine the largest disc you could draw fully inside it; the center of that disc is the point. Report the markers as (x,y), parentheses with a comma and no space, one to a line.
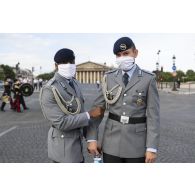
(56,133)
(140,127)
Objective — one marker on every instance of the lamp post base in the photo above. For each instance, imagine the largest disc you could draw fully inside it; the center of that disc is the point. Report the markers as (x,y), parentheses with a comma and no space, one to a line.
(174,87)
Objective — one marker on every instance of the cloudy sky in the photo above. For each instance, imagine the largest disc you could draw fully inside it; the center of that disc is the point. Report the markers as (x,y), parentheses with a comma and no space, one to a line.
(37,50)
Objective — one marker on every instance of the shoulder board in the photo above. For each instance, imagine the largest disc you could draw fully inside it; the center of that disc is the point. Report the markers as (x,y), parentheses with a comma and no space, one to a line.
(148,72)
(50,82)
(111,71)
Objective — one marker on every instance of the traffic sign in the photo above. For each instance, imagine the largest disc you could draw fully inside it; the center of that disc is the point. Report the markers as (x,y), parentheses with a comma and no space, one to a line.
(174,68)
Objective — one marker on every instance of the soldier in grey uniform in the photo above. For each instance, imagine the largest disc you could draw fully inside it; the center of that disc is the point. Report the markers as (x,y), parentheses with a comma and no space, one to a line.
(130,95)
(62,104)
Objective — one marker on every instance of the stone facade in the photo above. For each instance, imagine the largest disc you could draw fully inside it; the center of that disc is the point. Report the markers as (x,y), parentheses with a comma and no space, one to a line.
(91,72)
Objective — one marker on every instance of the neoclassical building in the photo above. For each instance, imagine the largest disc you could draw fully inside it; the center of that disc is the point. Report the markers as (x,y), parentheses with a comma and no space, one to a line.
(91,72)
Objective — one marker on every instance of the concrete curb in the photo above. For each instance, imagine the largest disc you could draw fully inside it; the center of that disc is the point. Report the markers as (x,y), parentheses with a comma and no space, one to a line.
(178,92)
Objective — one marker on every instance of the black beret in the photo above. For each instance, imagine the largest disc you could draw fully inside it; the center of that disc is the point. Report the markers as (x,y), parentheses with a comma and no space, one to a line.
(64,56)
(123,44)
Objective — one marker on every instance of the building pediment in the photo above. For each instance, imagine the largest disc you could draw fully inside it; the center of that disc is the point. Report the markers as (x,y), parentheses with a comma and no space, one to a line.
(91,72)
(91,66)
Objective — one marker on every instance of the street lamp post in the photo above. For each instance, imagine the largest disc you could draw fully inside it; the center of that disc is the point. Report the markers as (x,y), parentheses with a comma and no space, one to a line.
(157,73)
(174,74)
(161,77)
(157,67)
(158,53)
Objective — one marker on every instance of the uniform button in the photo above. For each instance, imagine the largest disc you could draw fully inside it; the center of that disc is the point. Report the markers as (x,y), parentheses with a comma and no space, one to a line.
(62,136)
(124,103)
(125,94)
(124,113)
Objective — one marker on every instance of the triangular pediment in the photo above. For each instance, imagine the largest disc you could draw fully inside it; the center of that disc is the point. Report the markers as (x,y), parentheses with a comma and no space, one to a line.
(91,66)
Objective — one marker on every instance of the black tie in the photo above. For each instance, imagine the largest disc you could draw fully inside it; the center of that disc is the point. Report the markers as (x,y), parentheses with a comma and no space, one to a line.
(71,84)
(125,79)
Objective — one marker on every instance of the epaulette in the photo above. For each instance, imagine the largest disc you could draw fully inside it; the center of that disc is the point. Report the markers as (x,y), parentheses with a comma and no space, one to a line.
(148,72)
(111,71)
(50,82)
(140,73)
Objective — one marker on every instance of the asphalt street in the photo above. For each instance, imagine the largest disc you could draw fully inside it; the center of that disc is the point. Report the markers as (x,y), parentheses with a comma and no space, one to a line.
(23,136)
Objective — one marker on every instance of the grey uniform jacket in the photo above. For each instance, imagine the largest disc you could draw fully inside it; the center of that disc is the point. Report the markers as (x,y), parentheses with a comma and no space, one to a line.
(64,137)
(129,140)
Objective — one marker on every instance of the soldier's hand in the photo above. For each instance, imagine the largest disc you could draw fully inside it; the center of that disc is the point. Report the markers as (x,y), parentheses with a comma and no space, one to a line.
(150,157)
(96,112)
(93,148)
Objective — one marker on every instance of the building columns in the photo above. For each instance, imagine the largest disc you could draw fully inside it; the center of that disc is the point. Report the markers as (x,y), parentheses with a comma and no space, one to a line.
(80,77)
(94,77)
(87,79)
(77,76)
(98,76)
(90,77)
(83,76)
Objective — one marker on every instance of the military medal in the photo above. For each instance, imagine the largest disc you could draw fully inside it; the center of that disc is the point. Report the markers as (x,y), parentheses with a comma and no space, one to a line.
(139,99)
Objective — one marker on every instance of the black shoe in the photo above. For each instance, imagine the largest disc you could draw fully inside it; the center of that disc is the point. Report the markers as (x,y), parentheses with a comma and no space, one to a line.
(26,108)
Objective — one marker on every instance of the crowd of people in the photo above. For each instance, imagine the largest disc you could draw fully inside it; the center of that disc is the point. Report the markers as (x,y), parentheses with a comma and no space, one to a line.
(38,83)
(12,95)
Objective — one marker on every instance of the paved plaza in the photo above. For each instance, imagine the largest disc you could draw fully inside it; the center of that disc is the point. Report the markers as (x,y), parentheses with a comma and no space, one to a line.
(23,136)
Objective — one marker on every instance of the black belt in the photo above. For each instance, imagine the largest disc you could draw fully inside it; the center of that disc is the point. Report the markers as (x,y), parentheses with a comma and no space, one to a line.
(126,119)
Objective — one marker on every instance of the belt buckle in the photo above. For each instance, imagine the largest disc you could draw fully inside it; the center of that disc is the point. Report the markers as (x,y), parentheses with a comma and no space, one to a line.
(124,119)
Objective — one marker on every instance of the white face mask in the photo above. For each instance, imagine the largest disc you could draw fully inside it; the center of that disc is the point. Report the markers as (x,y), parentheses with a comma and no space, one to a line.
(67,70)
(125,63)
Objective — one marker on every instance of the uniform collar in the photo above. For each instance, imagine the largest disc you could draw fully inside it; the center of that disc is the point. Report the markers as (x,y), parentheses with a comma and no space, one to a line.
(135,78)
(64,82)
(135,72)
(130,72)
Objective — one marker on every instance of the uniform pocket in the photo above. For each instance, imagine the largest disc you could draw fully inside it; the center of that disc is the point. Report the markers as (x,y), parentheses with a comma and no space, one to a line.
(60,134)
(140,127)
(56,133)
(139,97)
(56,145)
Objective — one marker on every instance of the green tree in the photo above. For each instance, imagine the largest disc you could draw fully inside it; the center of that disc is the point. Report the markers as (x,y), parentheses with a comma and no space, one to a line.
(7,72)
(46,76)
(190,74)
(166,76)
(1,73)
(180,74)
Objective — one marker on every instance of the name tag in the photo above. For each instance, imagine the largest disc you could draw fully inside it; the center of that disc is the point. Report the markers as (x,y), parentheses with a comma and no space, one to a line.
(124,119)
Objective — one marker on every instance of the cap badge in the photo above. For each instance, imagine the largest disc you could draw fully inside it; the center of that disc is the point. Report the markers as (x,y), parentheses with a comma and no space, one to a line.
(123,47)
